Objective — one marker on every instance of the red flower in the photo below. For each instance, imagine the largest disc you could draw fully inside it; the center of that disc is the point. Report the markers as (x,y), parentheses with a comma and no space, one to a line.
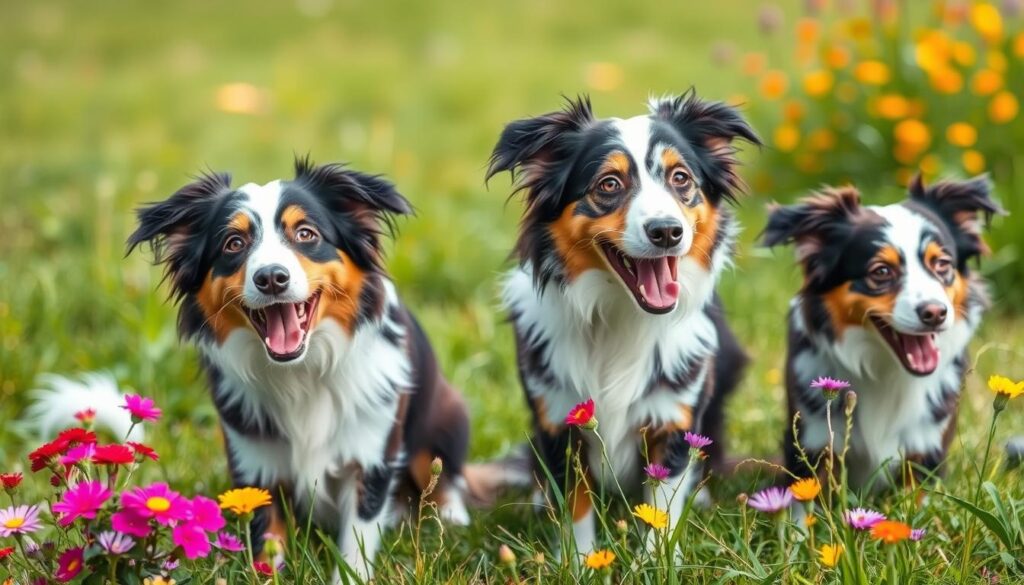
(72,437)
(143,450)
(263,568)
(87,416)
(6,552)
(46,453)
(582,415)
(10,480)
(113,455)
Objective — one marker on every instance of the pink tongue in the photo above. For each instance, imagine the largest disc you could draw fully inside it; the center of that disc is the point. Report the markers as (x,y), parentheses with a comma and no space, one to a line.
(283,332)
(922,351)
(659,290)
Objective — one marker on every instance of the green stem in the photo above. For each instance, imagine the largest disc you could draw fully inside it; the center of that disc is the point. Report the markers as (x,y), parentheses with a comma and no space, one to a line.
(969,537)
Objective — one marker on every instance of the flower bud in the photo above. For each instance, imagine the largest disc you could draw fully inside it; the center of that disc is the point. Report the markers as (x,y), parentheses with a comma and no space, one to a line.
(622,527)
(506,556)
(590,425)
(436,466)
(851,402)
(539,558)
(742,499)
(271,546)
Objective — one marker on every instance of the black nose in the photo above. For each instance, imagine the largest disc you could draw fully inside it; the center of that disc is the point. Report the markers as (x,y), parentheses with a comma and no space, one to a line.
(664,233)
(932,314)
(271,280)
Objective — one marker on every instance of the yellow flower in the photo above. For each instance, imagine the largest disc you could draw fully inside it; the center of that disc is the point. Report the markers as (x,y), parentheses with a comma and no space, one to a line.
(872,72)
(913,134)
(891,106)
(996,61)
(973,161)
(963,53)
(244,500)
(837,56)
(810,520)
(651,515)
(807,30)
(947,80)
(822,139)
(932,51)
(774,84)
(987,21)
(1018,45)
(1003,107)
(754,63)
(600,559)
(986,82)
(818,83)
(158,581)
(786,137)
(1005,386)
(929,164)
(961,134)
(805,489)
(829,554)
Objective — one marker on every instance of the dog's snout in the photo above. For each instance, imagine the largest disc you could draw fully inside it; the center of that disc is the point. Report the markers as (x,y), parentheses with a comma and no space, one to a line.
(271,280)
(932,314)
(664,232)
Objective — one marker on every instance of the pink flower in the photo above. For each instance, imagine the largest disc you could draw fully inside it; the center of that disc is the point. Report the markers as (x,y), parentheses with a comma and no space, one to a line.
(228,542)
(830,387)
(862,518)
(657,472)
(19,520)
(192,539)
(77,454)
(771,500)
(917,534)
(582,415)
(158,502)
(130,522)
(86,416)
(81,501)
(696,441)
(115,543)
(70,564)
(206,514)
(141,408)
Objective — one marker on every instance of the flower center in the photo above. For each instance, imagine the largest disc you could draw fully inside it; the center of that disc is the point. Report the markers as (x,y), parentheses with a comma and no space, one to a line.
(14,523)
(158,504)
(72,566)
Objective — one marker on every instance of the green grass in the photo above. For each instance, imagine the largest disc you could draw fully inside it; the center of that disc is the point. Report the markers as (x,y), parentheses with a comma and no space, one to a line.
(109,104)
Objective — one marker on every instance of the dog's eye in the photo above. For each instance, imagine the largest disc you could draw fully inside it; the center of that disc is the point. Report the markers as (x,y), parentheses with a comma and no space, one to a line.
(234,244)
(609,184)
(942,266)
(882,273)
(680,179)
(306,234)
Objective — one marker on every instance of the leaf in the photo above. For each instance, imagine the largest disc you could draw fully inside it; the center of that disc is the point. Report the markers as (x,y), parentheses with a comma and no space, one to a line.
(987,518)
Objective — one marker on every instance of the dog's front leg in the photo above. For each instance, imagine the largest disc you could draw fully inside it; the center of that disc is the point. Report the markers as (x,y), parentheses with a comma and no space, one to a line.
(364,517)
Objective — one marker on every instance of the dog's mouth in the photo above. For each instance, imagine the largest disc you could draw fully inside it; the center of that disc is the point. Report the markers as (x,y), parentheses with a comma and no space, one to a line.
(654,282)
(918,353)
(284,327)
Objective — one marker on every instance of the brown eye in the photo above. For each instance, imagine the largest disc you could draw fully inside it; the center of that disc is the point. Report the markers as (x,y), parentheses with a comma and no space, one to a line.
(942,266)
(234,244)
(610,184)
(680,179)
(306,234)
(882,273)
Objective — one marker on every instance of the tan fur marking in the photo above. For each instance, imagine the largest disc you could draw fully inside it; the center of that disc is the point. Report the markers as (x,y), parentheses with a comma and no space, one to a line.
(704,219)
(889,255)
(847,308)
(547,425)
(575,237)
(341,283)
(218,299)
(240,223)
(291,217)
(579,497)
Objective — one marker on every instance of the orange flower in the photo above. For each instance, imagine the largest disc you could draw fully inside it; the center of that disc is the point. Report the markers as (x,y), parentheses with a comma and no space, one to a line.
(601,559)
(754,63)
(929,164)
(821,139)
(890,531)
(786,137)
(963,53)
(973,161)
(985,18)
(912,133)
(774,84)
(947,80)
(1018,45)
(805,489)
(807,30)
(872,72)
(1003,108)
(996,61)
(986,82)
(932,51)
(818,83)
(891,106)
(837,56)
(961,134)
(793,111)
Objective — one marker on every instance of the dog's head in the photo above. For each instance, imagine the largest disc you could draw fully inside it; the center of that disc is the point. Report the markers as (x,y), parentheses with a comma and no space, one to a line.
(275,260)
(630,197)
(901,270)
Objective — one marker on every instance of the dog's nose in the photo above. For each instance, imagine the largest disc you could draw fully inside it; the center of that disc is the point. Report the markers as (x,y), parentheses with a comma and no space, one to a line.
(271,280)
(664,232)
(932,314)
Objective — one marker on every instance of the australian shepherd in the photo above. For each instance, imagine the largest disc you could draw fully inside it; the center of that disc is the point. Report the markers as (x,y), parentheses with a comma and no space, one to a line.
(625,233)
(889,303)
(327,387)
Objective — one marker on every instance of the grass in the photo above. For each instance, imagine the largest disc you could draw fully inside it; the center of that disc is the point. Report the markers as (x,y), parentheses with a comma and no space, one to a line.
(107,105)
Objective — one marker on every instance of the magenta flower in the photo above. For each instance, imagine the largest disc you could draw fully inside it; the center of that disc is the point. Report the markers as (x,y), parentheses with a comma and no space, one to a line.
(917,534)
(206,514)
(862,518)
(78,453)
(130,522)
(771,500)
(156,501)
(192,539)
(115,543)
(141,408)
(70,564)
(657,472)
(81,501)
(19,520)
(830,387)
(171,564)
(228,542)
(697,441)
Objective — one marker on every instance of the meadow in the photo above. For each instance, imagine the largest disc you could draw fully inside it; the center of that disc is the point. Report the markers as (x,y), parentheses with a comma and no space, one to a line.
(109,104)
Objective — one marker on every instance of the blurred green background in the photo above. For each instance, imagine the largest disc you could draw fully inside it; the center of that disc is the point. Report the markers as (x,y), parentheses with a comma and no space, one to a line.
(104,105)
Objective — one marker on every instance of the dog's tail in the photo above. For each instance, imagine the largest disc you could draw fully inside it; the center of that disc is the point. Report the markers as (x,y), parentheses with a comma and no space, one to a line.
(487,480)
(58,399)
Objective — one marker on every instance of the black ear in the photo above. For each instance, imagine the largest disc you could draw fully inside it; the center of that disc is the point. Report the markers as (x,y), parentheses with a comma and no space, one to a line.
(173,229)
(821,219)
(711,128)
(531,149)
(351,192)
(959,204)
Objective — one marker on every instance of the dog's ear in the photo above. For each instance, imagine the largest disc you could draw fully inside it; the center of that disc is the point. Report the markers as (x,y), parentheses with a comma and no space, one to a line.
(533,150)
(815,222)
(959,204)
(173,229)
(712,129)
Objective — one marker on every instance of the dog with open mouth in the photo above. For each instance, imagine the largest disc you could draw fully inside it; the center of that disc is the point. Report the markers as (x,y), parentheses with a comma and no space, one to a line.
(889,303)
(326,386)
(625,233)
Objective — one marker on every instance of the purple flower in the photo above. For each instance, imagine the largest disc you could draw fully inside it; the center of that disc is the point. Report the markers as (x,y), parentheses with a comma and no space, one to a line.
(862,518)
(917,534)
(115,543)
(830,387)
(697,441)
(771,500)
(228,542)
(657,472)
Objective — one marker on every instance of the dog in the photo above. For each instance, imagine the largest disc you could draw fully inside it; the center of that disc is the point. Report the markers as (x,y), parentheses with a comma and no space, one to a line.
(625,233)
(327,387)
(889,303)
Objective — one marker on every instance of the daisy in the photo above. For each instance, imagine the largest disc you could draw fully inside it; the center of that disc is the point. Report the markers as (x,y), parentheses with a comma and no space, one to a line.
(806,489)
(600,559)
(141,408)
(917,534)
(890,531)
(582,415)
(158,502)
(830,387)
(657,472)
(771,500)
(654,517)
(192,539)
(19,520)
(115,543)
(81,501)
(242,501)
(829,554)
(862,518)
(696,441)
(70,564)
(206,514)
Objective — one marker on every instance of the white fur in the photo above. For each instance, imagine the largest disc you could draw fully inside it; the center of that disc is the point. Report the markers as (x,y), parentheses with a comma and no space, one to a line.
(270,248)
(56,402)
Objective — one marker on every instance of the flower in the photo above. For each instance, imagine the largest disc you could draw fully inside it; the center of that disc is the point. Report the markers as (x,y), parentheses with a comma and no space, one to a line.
(600,559)
(818,83)
(1003,107)
(142,451)
(505,555)
(786,137)
(83,500)
(890,531)
(141,408)
(774,84)
(837,57)
(130,522)
(872,73)
(158,502)
(158,580)
(115,543)
(86,416)
(754,63)
(829,554)
(986,82)
(228,542)
(6,552)
(973,161)
(192,539)
(891,106)
(830,387)
(862,518)
(917,534)
(696,441)
(961,134)
(654,517)
(70,564)
(947,80)
(205,513)
(985,18)
(11,480)
(45,454)
(771,500)
(78,453)
(1005,386)
(75,436)
(805,489)
(657,472)
(19,520)
(113,455)
(242,501)
(582,415)
(263,568)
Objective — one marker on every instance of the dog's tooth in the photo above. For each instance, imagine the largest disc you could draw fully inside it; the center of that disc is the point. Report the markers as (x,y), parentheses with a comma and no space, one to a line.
(643,291)
(302,309)
(910,358)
